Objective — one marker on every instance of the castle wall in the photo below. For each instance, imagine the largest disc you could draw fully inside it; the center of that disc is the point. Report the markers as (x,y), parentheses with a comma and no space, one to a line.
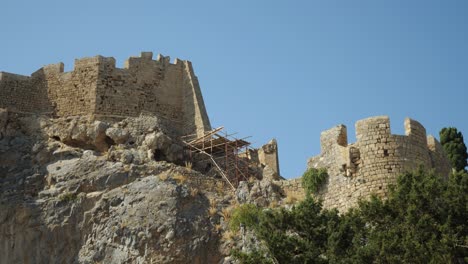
(71,93)
(374,162)
(439,159)
(21,93)
(96,87)
(195,114)
(140,87)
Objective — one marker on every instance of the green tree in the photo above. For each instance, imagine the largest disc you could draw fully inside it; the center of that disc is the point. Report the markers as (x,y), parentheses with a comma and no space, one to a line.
(423,220)
(453,144)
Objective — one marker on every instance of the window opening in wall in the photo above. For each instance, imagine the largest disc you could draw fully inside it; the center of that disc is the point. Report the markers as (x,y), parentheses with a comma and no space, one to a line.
(385,152)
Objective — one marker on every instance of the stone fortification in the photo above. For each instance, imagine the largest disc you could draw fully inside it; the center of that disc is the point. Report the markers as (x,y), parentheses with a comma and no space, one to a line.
(373,163)
(97,87)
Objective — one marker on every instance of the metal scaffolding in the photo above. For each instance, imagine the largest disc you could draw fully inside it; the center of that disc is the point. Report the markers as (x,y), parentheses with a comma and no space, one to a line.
(226,153)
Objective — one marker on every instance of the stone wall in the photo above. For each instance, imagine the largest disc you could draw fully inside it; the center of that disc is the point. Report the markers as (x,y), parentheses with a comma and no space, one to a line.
(292,188)
(23,94)
(373,163)
(268,156)
(97,87)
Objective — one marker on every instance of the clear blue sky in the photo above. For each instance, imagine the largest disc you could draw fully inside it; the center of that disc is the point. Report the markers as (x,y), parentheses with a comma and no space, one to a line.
(283,69)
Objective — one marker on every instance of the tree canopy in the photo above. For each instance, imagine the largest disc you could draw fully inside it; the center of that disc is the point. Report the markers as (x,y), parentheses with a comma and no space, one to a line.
(452,142)
(424,220)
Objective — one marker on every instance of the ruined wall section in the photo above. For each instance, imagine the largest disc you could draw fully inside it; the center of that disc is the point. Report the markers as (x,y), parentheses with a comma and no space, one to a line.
(268,156)
(374,162)
(339,187)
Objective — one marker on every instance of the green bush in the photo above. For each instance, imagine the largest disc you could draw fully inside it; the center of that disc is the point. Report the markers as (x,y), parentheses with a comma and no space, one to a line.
(254,257)
(246,214)
(313,179)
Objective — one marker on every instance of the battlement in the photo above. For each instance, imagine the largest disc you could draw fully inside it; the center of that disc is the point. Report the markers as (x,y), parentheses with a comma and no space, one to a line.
(375,160)
(97,87)
(372,129)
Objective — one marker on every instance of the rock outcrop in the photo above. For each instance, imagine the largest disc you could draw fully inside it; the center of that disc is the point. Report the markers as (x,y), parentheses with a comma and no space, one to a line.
(75,190)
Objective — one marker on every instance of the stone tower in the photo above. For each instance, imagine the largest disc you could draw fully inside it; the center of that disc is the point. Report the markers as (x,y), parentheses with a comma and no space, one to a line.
(374,162)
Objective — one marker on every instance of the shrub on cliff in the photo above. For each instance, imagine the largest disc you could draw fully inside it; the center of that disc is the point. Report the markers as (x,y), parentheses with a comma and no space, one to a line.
(246,215)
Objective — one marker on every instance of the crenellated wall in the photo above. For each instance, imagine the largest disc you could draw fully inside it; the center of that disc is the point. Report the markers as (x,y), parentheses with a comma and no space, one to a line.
(376,159)
(97,87)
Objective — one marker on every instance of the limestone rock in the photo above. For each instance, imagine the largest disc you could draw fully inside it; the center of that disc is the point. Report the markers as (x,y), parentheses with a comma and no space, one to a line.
(118,135)
(71,201)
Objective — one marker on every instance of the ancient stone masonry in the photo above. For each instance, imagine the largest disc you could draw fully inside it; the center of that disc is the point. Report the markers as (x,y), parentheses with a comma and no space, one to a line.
(373,163)
(97,87)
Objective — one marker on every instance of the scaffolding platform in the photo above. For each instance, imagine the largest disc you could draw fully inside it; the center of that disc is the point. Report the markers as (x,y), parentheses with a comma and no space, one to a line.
(228,154)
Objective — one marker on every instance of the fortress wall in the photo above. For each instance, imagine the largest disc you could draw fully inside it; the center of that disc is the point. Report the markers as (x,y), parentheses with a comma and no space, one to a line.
(168,90)
(438,157)
(195,116)
(335,158)
(385,156)
(117,93)
(374,162)
(72,93)
(97,87)
(292,188)
(21,93)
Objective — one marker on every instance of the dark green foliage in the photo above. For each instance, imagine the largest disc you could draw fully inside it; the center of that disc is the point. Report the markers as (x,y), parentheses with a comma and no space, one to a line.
(255,257)
(415,224)
(453,144)
(424,220)
(313,179)
(295,236)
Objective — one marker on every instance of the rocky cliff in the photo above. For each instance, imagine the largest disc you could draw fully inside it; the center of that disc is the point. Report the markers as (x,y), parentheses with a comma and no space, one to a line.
(77,190)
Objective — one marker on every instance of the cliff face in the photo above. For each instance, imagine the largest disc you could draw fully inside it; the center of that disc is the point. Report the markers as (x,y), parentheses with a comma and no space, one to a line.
(74,190)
